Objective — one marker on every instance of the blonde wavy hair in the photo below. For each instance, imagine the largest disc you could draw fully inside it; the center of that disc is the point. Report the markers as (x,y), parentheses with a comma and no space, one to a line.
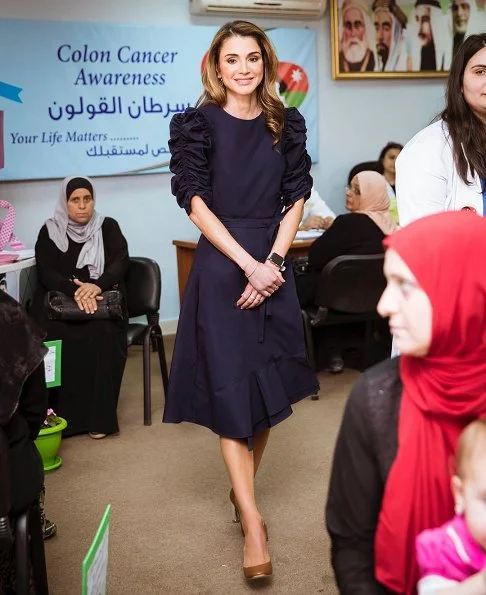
(267,97)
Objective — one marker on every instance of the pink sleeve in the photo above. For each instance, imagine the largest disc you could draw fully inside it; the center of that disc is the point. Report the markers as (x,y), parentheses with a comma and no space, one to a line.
(430,551)
(437,555)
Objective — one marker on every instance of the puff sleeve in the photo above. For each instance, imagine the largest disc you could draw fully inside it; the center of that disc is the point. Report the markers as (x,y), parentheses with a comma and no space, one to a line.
(190,147)
(297,181)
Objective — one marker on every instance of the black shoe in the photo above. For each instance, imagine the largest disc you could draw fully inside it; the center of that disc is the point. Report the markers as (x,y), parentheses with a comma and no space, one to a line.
(336,364)
(49,528)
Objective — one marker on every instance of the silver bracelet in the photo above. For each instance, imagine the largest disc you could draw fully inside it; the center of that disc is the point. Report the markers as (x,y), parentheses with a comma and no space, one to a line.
(256,266)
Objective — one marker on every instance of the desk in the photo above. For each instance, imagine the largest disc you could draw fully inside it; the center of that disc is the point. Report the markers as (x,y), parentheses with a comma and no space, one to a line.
(185,258)
(20,278)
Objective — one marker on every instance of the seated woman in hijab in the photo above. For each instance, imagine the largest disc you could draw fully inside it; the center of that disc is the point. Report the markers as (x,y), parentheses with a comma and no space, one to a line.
(81,253)
(23,406)
(361,231)
(390,477)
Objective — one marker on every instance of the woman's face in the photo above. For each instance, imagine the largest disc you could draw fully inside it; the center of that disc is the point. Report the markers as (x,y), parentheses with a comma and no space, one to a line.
(353,195)
(240,65)
(474,84)
(407,306)
(80,206)
(389,160)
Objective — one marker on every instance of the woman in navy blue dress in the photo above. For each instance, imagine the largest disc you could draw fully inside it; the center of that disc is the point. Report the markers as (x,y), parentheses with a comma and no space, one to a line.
(242,174)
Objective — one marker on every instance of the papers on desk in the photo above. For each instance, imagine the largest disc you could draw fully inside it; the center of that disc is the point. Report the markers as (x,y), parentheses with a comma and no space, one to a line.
(8,258)
(309,234)
(17,254)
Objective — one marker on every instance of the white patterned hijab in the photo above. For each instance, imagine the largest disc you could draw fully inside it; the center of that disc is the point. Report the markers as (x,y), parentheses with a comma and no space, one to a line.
(60,228)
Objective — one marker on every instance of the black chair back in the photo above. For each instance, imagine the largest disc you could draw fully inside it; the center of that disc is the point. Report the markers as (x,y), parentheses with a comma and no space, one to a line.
(352,284)
(144,285)
(365,166)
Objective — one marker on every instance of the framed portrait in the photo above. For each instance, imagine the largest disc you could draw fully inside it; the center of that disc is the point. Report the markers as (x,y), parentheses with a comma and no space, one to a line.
(399,39)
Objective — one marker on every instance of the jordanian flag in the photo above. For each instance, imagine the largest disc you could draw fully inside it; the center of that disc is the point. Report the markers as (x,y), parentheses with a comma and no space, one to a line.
(292,84)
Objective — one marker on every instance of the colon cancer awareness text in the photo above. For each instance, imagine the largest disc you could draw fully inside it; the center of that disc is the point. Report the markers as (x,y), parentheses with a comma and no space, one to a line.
(125,54)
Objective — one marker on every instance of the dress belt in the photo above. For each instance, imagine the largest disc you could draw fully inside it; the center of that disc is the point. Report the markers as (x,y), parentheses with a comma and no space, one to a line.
(271,224)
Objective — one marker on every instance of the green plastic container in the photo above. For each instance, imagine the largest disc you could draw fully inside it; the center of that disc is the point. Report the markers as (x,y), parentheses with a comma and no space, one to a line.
(48,442)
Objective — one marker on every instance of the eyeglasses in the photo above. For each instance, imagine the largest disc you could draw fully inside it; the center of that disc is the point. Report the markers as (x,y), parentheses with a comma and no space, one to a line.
(353,190)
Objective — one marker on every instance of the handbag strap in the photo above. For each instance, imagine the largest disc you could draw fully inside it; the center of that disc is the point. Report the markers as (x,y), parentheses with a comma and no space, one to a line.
(7,235)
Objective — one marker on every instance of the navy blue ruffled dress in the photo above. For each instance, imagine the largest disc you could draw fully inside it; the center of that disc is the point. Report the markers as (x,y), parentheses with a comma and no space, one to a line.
(237,371)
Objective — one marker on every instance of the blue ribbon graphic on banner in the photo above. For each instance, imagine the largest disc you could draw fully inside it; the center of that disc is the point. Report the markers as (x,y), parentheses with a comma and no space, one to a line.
(10,92)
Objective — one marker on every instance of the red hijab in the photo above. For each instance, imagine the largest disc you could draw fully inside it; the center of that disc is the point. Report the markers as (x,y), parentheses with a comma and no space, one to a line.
(442,392)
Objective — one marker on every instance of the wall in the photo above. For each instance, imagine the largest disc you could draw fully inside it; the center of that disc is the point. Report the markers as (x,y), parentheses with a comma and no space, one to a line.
(356,118)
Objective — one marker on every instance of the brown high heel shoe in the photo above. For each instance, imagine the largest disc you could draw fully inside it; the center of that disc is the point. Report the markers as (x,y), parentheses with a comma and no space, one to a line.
(260,570)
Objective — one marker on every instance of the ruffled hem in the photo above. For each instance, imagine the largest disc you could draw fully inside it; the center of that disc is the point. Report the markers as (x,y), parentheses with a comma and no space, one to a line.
(259,401)
(190,147)
(297,181)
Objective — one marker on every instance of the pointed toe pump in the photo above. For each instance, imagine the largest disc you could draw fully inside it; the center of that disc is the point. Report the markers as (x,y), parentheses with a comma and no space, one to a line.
(259,571)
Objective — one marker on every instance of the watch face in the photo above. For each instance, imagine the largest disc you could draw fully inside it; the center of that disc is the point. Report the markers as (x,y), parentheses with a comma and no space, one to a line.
(277,259)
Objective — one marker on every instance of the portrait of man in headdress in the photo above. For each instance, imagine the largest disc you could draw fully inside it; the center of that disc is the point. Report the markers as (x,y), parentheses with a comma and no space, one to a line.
(466,20)
(356,38)
(390,24)
(431,46)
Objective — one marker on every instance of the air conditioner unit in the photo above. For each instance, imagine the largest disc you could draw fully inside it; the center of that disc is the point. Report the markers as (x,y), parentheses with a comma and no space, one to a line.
(297,9)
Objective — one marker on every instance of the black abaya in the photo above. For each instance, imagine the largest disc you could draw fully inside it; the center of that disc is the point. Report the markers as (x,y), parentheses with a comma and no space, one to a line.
(93,352)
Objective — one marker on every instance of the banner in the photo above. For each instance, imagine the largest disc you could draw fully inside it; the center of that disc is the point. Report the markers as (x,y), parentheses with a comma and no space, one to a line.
(97,99)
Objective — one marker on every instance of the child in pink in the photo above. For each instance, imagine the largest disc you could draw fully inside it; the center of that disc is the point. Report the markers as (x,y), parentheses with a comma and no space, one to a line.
(456,552)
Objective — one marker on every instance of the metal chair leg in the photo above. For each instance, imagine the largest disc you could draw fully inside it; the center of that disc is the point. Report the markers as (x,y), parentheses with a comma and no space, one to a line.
(309,343)
(147,396)
(159,341)
(22,566)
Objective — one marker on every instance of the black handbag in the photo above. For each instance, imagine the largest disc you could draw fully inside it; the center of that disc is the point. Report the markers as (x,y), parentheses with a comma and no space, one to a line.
(300,265)
(62,307)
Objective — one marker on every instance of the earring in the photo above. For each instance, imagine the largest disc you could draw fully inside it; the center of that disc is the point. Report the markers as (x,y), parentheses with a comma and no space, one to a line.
(459,508)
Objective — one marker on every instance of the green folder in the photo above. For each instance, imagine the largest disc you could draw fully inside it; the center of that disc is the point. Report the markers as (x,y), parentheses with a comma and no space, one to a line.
(52,363)
(95,565)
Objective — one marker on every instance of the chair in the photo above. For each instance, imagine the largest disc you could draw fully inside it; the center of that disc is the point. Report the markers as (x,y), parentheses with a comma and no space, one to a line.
(365,166)
(348,290)
(29,549)
(144,285)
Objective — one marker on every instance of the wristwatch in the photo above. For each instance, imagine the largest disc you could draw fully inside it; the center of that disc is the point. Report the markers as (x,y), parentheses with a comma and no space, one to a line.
(277,260)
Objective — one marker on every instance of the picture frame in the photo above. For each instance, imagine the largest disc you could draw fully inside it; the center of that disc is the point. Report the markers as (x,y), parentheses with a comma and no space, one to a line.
(376,39)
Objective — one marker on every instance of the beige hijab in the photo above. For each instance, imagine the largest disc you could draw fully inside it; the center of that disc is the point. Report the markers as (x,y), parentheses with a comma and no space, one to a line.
(374,201)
